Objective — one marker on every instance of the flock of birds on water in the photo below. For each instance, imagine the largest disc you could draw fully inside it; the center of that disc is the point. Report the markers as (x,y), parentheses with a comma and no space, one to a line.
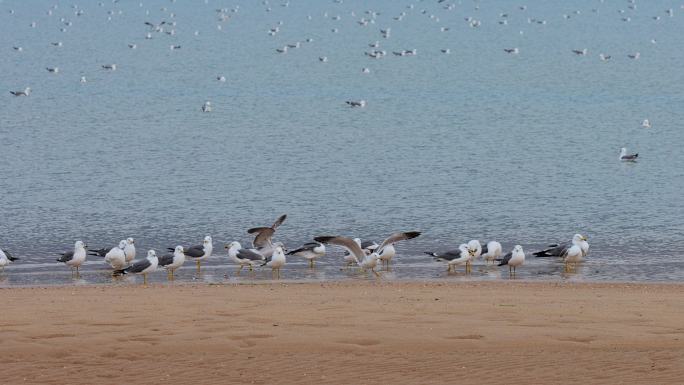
(269,254)
(364,19)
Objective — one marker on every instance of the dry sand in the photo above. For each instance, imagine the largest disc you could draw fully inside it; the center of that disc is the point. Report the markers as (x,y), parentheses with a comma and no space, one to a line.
(344,333)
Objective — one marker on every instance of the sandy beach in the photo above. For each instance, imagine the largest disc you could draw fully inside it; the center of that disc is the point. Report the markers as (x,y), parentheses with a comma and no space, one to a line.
(337,333)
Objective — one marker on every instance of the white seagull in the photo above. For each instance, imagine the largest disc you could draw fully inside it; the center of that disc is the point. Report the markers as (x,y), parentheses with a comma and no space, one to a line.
(365,262)
(454,258)
(143,266)
(491,251)
(243,257)
(115,257)
(25,92)
(74,258)
(513,259)
(627,157)
(171,262)
(276,261)
(309,251)
(129,250)
(386,250)
(5,259)
(198,253)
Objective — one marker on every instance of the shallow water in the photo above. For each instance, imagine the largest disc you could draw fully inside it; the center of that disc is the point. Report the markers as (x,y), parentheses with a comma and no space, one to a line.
(475,144)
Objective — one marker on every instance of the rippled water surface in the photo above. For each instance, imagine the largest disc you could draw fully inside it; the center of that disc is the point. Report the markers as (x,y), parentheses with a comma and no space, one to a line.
(474,144)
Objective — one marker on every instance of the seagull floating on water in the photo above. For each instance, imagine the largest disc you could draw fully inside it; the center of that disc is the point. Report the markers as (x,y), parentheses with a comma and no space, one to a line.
(356,103)
(206,107)
(646,124)
(627,157)
(25,92)
(110,67)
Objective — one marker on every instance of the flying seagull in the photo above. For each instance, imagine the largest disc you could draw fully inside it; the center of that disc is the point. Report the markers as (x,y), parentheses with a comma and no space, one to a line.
(365,262)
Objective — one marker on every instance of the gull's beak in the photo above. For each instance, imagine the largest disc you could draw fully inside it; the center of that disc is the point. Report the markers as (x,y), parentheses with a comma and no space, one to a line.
(585,238)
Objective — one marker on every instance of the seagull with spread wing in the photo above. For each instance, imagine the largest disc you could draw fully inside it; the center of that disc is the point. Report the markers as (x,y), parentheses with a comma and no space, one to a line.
(263,237)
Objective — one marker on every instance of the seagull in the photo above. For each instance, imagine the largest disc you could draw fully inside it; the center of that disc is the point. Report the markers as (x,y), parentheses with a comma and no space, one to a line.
(57,44)
(18,49)
(627,158)
(5,259)
(221,78)
(323,59)
(646,124)
(491,251)
(75,257)
(365,70)
(276,261)
(579,52)
(243,257)
(53,70)
(355,103)
(446,51)
(25,92)
(310,251)
(143,266)
(198,252)
(115,256)
(129,250)
(110,67)
(282,50)
(634,56)
(513,51)
(262,241)
(604,57)
(475,250)
(366,262)
(206,107)
(171,262)
(560,250)
(174,47)
(83,79)
(454,258)
(514,259)
(132,46)
(386,249)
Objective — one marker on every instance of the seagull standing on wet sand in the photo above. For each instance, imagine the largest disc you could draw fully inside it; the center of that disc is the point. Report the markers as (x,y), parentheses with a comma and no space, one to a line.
(491,251)
(513,259)
(5,259)
(198,252)
(243,257)
(143,266)
(276,261)
(454,258)
(116,257)
(75,257)
(386,250)
(171,262)
(309,251)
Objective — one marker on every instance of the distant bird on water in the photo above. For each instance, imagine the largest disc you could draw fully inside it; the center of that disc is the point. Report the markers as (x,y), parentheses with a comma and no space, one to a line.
(356,103)
(627,157)
(25,92)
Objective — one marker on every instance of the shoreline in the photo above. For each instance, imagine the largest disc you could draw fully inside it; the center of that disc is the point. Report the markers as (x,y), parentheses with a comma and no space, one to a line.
(339,332)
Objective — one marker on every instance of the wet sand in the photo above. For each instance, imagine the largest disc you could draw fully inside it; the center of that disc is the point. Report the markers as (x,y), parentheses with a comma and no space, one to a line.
(342,333)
